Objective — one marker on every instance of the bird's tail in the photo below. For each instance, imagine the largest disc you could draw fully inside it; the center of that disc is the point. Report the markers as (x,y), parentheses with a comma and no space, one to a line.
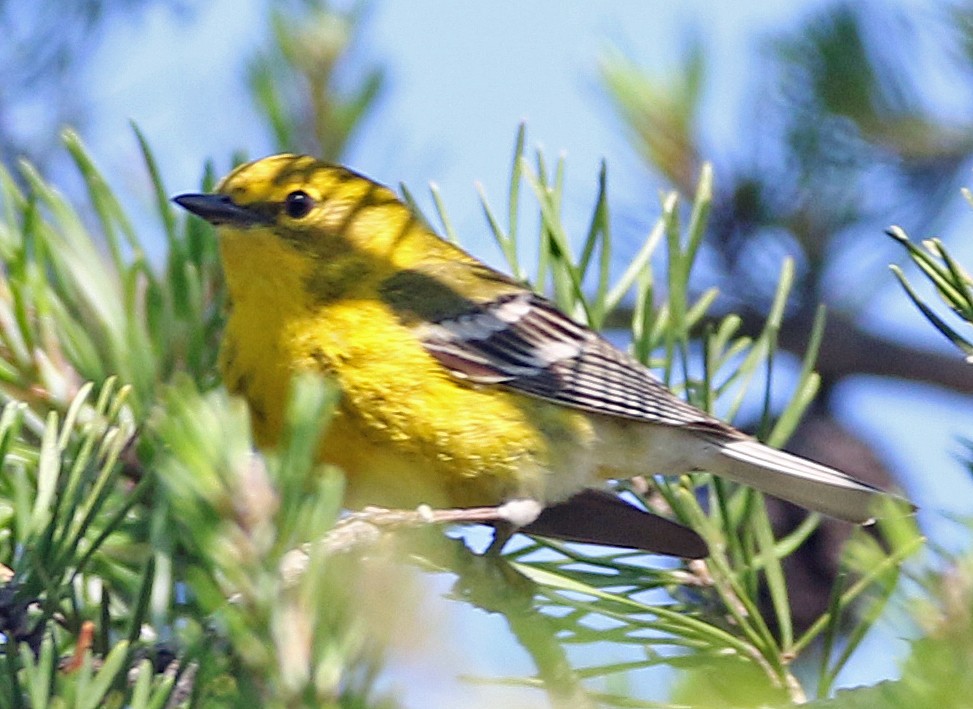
(795,479)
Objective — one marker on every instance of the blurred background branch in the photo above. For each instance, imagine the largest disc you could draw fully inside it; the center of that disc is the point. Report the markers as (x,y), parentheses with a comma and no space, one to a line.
(840,137)
(308,83)
(839,140)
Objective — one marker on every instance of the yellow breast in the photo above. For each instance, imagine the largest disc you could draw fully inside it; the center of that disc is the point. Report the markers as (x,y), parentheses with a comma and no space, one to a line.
(406,432)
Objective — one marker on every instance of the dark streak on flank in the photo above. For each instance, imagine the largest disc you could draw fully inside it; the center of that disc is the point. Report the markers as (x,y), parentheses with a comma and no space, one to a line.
(242,385)
(257,411)
(324,364)
(229,354)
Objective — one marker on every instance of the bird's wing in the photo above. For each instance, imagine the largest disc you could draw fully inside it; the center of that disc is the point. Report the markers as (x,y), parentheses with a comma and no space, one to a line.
(523,342)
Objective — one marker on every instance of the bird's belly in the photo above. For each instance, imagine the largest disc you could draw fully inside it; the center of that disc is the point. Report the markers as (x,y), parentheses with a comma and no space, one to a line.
(470,447)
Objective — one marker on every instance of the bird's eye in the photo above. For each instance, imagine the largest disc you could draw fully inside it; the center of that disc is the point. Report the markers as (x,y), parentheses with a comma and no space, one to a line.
(298,204)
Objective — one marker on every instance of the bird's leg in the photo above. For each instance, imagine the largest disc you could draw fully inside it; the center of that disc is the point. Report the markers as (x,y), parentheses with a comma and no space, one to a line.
(511,517)
(502,531)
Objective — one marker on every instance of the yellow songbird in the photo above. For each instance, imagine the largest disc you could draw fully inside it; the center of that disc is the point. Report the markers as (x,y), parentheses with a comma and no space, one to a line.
(459,386)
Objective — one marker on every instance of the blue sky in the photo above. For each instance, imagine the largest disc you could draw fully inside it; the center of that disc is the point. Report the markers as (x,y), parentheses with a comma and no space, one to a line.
(462,76)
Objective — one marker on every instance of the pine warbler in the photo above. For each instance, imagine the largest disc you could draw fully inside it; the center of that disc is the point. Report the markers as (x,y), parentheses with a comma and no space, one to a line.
(459,387)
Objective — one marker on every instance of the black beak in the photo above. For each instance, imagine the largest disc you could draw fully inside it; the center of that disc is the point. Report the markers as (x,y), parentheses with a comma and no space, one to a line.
(219,209)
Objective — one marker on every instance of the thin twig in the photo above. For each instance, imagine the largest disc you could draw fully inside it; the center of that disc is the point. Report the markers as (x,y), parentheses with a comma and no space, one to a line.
(367,527)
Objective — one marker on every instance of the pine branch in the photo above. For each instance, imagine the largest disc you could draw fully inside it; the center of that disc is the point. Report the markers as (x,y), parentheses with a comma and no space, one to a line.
(194,546)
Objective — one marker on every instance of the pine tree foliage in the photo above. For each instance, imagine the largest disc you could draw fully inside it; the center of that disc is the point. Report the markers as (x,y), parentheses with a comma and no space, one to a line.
(150,554)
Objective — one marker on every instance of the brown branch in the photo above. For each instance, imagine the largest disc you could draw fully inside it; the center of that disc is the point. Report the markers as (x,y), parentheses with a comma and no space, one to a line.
(847,349)
(367,526)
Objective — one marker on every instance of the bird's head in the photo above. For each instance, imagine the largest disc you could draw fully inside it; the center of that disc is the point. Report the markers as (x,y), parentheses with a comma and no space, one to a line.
(306,205)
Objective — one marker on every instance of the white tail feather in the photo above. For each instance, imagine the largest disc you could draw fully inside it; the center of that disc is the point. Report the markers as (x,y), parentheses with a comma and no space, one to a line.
(798,480)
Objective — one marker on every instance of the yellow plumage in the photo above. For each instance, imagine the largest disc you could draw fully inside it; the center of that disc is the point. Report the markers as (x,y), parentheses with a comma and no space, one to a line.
(458,386)
(406,431)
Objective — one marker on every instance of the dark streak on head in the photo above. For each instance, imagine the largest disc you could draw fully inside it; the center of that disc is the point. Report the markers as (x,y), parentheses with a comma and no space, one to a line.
(304,173)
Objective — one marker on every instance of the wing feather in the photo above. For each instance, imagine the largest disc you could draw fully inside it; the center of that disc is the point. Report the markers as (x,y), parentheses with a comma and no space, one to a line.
(523,342)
